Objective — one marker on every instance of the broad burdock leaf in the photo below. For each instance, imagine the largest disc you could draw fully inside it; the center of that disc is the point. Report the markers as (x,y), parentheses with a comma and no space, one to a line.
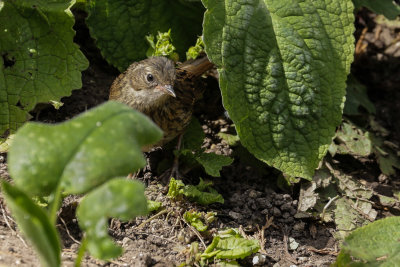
(389,8)
(81,153)
(283,67)
(38,60)
(120,26)
(377,240)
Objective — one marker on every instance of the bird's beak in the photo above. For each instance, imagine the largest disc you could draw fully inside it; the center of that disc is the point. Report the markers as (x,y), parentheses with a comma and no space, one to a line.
(168,89)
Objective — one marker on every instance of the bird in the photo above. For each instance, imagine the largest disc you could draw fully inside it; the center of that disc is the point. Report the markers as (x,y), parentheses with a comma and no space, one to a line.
(164,93)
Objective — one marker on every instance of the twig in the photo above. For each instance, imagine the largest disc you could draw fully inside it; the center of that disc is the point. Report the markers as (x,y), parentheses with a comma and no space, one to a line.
(157,236)
(360,47)
(195,232)
(66,228)
(324,251)
(151,218)
(261,232)
(327,206)
(285,245)
(9,226)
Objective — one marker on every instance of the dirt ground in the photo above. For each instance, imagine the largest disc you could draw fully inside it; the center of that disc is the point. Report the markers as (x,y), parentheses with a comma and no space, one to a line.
(253,197)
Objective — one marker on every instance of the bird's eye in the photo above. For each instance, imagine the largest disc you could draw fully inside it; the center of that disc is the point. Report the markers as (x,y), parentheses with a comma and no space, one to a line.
(149,77)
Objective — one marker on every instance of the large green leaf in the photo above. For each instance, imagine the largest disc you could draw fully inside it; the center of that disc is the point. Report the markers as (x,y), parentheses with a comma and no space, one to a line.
(81,153)
(38,60)
(283,67)
(35,225)
(118,198)
(376,243)
(389,8)
(120,26)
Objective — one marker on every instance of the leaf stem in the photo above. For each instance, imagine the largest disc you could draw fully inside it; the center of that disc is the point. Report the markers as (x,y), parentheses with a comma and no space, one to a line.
(55,205)
(81,252)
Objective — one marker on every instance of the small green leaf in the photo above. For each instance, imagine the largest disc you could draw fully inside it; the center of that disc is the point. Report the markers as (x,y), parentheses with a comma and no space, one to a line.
(163,46)
(356,97)
(120,26)
(231,139)
(388,158)
(81,153)
(389,8)
(39,61)
(35,224)
(194,136)
(202,193)
(375,240)
(212,162)
(283,67)
(353,141)
(153,205)
(231,248)
(118,198)
(194,51)
(194,219)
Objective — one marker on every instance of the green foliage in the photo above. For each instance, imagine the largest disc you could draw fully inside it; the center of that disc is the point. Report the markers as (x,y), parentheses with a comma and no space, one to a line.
(357,97)
(162,47)
(376,244)
(118,198)
(120,26)
(353,141)
(283,77)
(194,218)
(192,141)
(194,51)
(153,205)
(73,157)
(386,155)
(39,63)
(231,139)
(230,246)
(388,8)
(35,225)
(202,193)
(213,163)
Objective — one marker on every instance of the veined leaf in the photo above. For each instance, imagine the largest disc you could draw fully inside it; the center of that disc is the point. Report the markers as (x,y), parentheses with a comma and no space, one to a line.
(375,240)
(389,8)
(38,60)
(81,153)
(120,26)
(283,67)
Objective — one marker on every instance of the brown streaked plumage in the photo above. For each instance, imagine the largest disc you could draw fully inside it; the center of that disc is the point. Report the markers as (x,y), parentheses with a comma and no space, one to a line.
(166,95)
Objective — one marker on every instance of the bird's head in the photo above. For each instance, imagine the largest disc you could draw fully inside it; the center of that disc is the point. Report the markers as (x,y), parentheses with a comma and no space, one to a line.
(151,81)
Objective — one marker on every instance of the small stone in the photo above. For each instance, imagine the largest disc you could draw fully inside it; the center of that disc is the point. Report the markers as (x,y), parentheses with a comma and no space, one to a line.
(276,212)
(235,215)
(74,247)
(286,206)
(299,226)
(254,193)
(259,259)
(264,212)
(126,241)
(293,245)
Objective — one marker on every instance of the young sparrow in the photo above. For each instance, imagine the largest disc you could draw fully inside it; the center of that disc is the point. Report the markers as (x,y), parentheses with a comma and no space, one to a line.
(153,87)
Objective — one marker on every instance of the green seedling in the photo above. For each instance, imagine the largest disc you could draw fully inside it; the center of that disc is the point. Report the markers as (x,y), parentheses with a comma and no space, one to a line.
(73,158)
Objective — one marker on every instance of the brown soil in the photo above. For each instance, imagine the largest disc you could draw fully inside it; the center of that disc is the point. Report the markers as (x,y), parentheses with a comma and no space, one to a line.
(249,188)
